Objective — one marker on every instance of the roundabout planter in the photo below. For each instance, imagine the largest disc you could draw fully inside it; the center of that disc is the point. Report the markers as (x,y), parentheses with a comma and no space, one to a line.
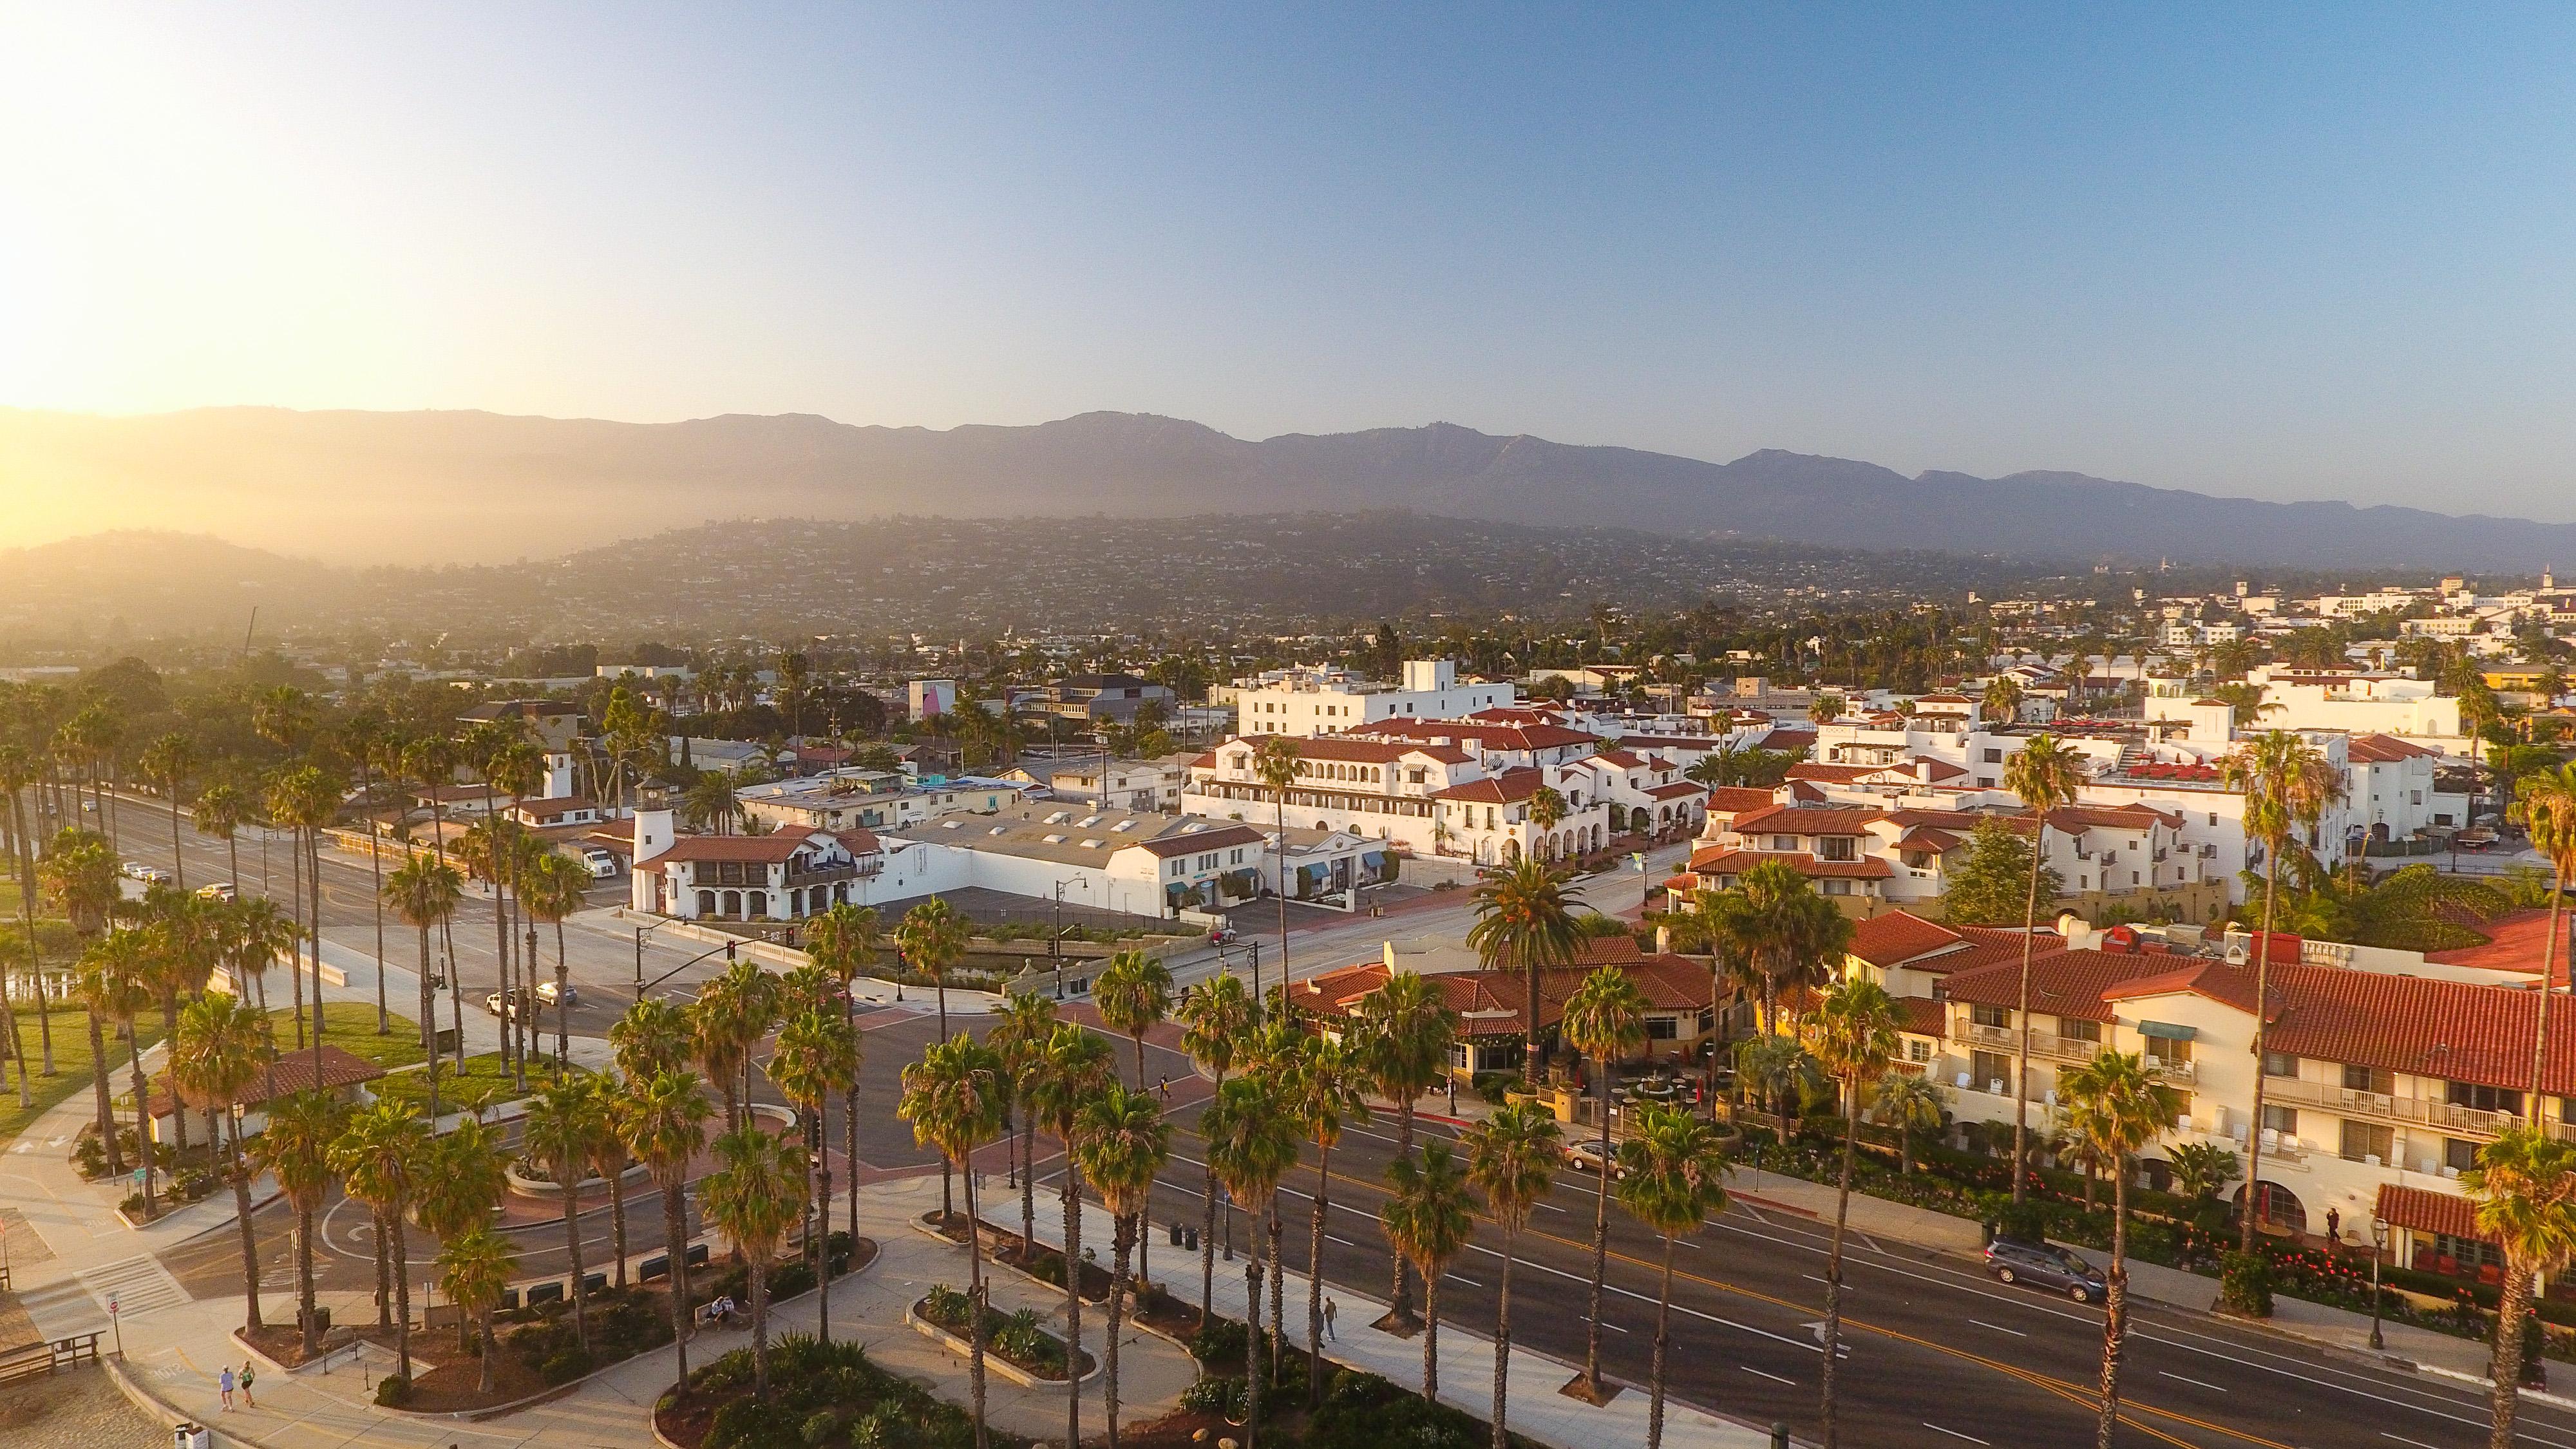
(993,1360)
(537,1187)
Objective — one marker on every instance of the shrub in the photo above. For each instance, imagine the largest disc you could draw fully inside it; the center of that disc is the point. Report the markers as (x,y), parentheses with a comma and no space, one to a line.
(393,1391)
(1493,1085)
(133,1204)
(2027,1220)
(1219,1342)
(751,1424)
(565,1366)
(820,1427)
(1363,1411)
(1215,1394)
(2245,1284)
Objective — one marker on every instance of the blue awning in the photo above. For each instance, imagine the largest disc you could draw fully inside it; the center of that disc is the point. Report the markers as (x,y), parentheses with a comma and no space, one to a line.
(2167,1031)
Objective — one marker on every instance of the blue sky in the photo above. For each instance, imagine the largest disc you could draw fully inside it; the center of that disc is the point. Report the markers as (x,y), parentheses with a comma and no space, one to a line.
(2291,252)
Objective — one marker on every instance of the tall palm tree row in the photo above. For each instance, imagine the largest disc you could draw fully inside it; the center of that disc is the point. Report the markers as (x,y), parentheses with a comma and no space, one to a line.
(1511,1160)
(1429,1217)
(817,1059)
(1672,1179)
(1124,1143)
(1073,1068)
(220,1047)
(1853,1036)
(2114,1109)
(1401,1035)
(1021,1026)
(1216,1019)
(953,1097)
(2287,783)
(752,1197)
(1525,923)
(2047,775)
(1605,1020)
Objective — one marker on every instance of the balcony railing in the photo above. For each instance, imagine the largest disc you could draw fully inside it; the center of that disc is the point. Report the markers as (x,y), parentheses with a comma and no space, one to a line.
(2171,1070)
(823,875)
(2042,1043)
(2410,1111)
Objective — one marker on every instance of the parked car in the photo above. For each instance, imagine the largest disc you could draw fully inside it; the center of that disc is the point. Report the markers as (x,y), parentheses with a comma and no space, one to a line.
(154,875)
(131,870)
(2048,1266)
(506,1003)
(221,890)
(546,994)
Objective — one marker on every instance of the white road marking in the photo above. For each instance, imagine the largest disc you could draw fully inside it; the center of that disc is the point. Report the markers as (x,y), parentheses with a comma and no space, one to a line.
(1999,1328)
(2203,1383)
(1953,1433)
(1775,1378)
(1455,1278)
(2402,1439)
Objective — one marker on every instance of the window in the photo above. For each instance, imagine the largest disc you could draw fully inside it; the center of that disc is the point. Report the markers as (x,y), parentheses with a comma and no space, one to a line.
(1918,1050)
(2363,1142)
(1990,1072)
(2368,1079)
(2483,1099)
(1838,887)
(2459,1154)
(1991,1015)
(1994,757)
(1784,842)
(2284,1120)
(1837,847)
(2280,1064)
(1663,1028)
(2076,1028)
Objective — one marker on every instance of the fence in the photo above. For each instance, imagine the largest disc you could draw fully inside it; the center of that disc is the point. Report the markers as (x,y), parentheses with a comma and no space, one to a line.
(43,1357)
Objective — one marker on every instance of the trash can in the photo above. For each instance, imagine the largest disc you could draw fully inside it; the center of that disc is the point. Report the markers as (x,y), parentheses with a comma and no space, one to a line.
(1176,1232)
(189,1436)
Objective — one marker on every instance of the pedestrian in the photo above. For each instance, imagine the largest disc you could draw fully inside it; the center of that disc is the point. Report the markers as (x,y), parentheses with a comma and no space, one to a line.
(1331,1308)
(224,1381)
(247,1374)
(2334,1227)
(1165,1087)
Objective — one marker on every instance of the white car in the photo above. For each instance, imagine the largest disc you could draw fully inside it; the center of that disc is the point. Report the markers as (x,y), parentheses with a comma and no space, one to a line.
(602,863)
(131,870)
(546,994)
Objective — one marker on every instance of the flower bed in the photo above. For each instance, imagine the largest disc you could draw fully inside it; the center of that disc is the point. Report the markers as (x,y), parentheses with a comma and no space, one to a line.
(1014,1338)
(822,1396)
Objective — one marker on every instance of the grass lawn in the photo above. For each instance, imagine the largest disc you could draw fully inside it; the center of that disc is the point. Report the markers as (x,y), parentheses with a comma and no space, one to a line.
(351,1026)
(71,1060)
(485,1079)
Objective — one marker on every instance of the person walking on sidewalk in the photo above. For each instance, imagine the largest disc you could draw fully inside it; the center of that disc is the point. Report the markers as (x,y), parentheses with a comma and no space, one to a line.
(224,1382)
(247,1374)
(1331,1308)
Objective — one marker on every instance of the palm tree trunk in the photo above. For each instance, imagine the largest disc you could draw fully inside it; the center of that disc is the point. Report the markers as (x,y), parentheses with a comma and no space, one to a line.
(850,1129)
(568,1177)
(1251,1349)
(1123,1235)
(759,1324)
(143,1110)
(1072,1194)
(818,1195)
(1834,1265)
(1663,1339)
(2548,971)
(313,852)
(1028,1185)
(2512,1313)
(1529,1045)
(491,1351)
(27,909)
(106,1107)
(1278,1302)
(2115,1323)
(376,867)
(2021,1053)
(304,1282)
(402,1292)
(178,857)
(1431,1335)
(178,1114)
(617,1218)
(1600,1241)
(251,1321)
(1503,1341)
(295,953)
(1400,1301)
(2262,991)
(428,1029)
(975,1298)
(1207,1239)
(675,1248)
(1315,1275)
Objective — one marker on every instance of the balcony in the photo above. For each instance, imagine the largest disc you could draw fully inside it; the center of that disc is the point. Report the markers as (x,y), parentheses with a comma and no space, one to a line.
(824,875)
(2046,1044)
(2173,1071)
(2440,1116)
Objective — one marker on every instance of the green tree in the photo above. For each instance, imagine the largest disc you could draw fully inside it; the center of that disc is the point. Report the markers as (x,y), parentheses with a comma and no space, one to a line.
(1401,1034)
(1072,1069)
(731,1014)
(1672,1178)
(932,937)
(424,891)
(115,983)
(2524,1185)
(1133,994)
(1021,1026)
(1912,1103)
(1124,1144)
(298,1149)
(555,888)
(1853,1036)
(1987,887)
(1322,1088)
(2115,1109)
(1511,1160)
(2048,775)
(1275,765)
(817,1059)
(219,1048)
(1429,1217)
(564,1125)
(474,1270)
(169,762)
(379,1158)
(1525,923)
(844,941)
(752,1197)
(953,1097)
(1252,1139)
(1605,1020)
(665,1124)
(1216,1018)
(2545,804)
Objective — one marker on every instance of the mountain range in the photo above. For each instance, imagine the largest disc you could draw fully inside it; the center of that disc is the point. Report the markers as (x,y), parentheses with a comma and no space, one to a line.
(437,487)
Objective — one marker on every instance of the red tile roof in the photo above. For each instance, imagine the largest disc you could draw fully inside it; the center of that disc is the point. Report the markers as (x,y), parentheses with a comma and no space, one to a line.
(1899,936)
(2513,943)
(1678,789)
(1808,820)
(2427,1211)
(2384,749)
(1509,787)
(291,1072)
(2062,983)
(1922,1016)
(1491,736)
(1738,798)
(1836,774)
(1736,862)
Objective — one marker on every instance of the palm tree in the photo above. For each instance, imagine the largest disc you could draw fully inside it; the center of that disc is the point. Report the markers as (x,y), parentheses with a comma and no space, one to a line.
(364,738)
(169,761)
(1402,1032)
(219,1048)
(1252,1141)
(731,1014)
(79,873)
(2544,802)
(2048,775)
(1323,1094)
(1429,1217)
(1912,1101)
(2002,702)
(1525,922)
(753,1196)
(2524,1185)
(221,811)
(1133,994)
(431,760)
(665,1125)
(1511,1159)
(1216,1020)
(1672,1178)
(115,982)
(710,805)
(296,1148)
(18,772)
(932,937)
(1784,933)
(2115,1109)
(255,934)
(474,1269)
(1073,1068)
(817,1059)
(2287,783)
(181,948)
(1021,1027)
(953,1098)
(608,1159)
(1274,764)
(379,1158)
(564,1123)
(1124,1143)
(649,1038)
(844,941)
(551,892)
(1853,1036)
(424,891)
(1605,1019)
(308,799)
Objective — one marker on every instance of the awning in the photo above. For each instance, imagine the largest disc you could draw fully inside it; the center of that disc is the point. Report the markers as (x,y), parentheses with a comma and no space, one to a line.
(2167,1031)
(2426,1211)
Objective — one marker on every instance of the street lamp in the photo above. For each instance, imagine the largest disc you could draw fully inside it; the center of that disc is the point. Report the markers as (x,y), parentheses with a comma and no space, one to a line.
(1055,928)
(2378,1227)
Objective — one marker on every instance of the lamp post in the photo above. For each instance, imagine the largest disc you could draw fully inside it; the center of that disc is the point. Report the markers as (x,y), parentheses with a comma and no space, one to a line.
(2378,1228)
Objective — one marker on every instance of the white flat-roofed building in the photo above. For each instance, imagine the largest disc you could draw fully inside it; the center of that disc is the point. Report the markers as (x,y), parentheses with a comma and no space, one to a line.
(1321,701)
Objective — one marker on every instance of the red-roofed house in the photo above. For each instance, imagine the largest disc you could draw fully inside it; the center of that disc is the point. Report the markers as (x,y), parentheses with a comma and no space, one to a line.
(1427,798)
(1492,1006)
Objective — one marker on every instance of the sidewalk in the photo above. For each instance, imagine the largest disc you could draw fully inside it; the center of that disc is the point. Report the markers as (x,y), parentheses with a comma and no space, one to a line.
(1537,1410)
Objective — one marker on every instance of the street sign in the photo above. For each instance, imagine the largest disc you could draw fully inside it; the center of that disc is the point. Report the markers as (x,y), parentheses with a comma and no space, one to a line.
(111,1303)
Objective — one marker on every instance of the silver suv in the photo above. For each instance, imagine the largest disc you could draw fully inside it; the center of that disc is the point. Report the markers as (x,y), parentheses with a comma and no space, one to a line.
(2046,1265)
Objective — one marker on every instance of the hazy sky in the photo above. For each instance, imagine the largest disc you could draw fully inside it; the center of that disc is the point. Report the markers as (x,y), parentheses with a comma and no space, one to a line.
(2305,251)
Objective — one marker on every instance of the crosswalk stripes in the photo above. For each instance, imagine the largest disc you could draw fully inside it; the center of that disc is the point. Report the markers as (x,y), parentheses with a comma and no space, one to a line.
(139,1284)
